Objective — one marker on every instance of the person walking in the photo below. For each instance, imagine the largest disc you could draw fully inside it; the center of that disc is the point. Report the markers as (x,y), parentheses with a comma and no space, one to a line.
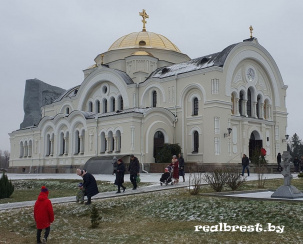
(115,165)
(120,175)
(279,162)
(175,164)
(245,164)
(43,214)
(181,166)
(134,168)
(89,184)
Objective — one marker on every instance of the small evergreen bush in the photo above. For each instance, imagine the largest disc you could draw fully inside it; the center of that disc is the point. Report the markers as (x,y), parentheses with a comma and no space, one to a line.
(6,187)
(95,217)
(164,155)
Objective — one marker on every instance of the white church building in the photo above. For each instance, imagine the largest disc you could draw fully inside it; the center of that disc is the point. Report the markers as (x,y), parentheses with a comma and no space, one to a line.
(143,92)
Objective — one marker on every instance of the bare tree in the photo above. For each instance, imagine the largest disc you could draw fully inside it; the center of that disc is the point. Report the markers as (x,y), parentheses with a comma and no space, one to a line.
(6,159)
(1,160)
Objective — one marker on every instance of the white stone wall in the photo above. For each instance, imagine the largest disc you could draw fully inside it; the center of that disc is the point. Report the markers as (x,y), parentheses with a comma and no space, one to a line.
(211,86)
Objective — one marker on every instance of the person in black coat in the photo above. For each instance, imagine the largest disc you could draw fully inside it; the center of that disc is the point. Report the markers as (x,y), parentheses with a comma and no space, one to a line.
(245,164)
(120,175)
(181,166)
(134,168)
(115,165)
(89,184)
(279,162)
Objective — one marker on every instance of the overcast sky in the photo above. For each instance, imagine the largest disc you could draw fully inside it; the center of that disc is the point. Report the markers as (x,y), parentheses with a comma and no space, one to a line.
(55,40)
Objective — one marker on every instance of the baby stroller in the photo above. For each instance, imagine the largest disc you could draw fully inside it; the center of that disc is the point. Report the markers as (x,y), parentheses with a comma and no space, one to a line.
(166,178)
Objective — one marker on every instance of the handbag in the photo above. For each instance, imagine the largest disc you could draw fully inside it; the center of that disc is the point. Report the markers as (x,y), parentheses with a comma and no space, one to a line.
(138,179)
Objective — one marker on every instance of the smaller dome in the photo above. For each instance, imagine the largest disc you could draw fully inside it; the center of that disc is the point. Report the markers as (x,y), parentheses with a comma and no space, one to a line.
(141,53)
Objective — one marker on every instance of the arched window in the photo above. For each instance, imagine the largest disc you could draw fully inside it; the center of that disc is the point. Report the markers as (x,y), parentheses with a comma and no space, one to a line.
(110,142)
(21,149)
(25,149)
(30,148)
(241,103)
(233,99)
(82,141)
(90,107)
(97,106)
(266,112)
(154,99)
(61,144)
(66,143)
(248,107)
(158,143)
(77,142)
(103,143)
(258,106)
(195,106)
(104,105)
(120,103)
(67,110)
(118,141)
(196,142)
(112,104)
(48,145)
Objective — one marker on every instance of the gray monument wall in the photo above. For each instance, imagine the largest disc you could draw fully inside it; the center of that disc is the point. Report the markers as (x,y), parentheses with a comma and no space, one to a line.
(37,94)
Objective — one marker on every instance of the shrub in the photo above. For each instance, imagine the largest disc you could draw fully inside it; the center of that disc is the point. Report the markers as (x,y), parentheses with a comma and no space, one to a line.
(300,175)
(216,179)
(258,159)
(234,179)
(195,181)
(165,154)
(95,217)
(6,187)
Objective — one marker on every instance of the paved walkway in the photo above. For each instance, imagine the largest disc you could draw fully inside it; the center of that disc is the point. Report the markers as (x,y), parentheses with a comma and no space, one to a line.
(152,178)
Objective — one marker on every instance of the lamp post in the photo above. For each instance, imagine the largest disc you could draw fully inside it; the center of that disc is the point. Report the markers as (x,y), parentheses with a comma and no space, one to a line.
(286,138)
(229,130)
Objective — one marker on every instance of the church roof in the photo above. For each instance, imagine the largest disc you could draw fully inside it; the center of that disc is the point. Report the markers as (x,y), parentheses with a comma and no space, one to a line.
(144,39)
(211,60)
(90,115)
(124,76)
(69,93)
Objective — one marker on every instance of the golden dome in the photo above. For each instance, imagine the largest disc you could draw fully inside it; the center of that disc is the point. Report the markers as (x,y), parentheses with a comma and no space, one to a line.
(144,39)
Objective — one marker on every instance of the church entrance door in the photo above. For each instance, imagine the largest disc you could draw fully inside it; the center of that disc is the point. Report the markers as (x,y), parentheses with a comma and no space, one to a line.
(158,142)
(254,142)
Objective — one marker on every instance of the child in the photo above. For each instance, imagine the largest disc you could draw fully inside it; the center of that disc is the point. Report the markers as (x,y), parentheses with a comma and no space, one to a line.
(80,194)
(165,176)
(43,214)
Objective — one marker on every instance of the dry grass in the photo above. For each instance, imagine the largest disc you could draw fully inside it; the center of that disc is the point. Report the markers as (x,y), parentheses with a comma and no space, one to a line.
(28,190)
(160,217)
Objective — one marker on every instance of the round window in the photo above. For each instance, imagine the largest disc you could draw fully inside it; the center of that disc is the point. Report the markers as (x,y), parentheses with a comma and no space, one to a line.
(142,43)
(104,89)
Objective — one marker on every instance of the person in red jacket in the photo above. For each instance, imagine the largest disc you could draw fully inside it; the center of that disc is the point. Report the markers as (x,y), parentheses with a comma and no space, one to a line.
(43,214)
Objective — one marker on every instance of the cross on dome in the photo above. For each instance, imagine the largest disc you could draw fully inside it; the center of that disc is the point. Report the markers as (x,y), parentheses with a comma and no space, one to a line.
(251,30)
(144,16)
